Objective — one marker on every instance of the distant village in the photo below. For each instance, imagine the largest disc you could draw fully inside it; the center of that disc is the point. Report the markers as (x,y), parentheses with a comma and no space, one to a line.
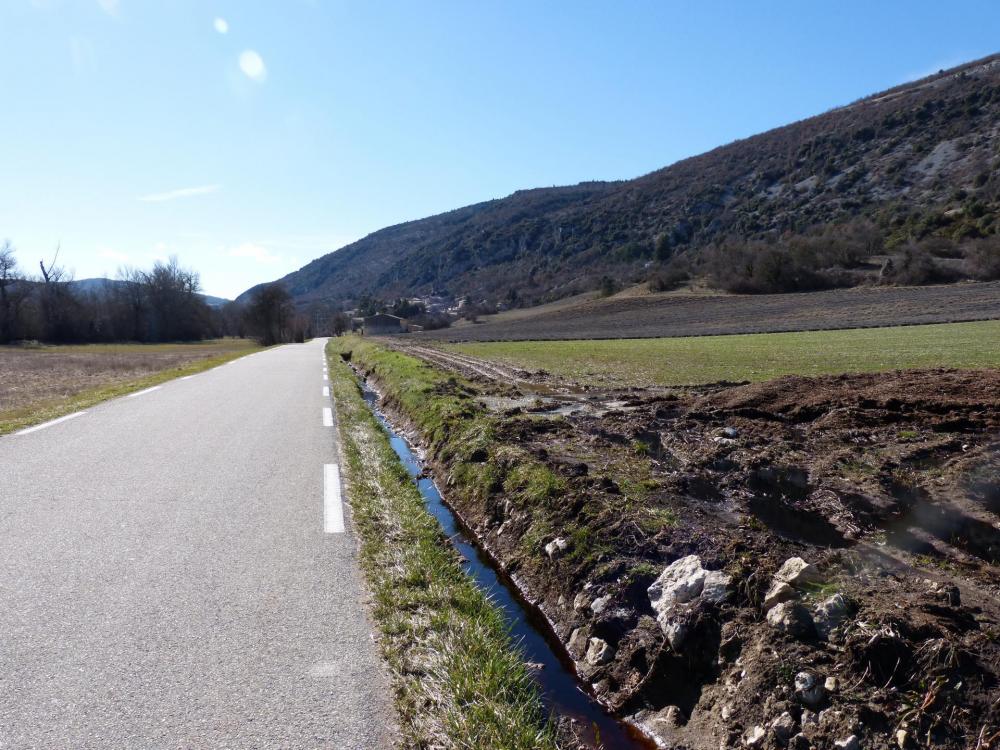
(415,314)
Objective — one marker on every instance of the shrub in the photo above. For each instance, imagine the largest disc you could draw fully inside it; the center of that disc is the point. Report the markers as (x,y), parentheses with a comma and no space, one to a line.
(983,258)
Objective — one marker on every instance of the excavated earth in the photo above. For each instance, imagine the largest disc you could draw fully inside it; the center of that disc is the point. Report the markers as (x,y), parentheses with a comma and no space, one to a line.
(885,487)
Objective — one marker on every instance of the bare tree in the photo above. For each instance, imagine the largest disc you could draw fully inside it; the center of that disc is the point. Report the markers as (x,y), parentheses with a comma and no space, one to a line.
(271,315)
(13,292)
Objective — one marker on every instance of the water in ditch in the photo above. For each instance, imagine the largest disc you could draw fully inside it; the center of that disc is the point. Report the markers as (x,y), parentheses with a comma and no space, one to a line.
(560,687)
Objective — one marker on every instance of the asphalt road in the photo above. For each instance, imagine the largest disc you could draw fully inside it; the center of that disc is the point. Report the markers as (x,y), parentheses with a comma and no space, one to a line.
(168,579)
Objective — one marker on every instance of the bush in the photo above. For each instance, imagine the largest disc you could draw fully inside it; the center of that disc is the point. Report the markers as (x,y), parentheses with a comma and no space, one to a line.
(983,257)
(916,266)
(671,275)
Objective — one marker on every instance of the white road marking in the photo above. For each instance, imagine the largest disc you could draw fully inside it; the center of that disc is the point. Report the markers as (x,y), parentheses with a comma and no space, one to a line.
(43,425)
(333,507)
(327,416)
(187,377)
(143,393)
(325,378)
(326,391)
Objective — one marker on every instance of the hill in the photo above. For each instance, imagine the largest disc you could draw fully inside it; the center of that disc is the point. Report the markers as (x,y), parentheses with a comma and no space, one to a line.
(813,204)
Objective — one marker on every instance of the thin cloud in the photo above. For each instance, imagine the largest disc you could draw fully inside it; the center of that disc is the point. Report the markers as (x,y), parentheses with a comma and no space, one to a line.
(255,252)
(109,254)
(180,193)
(221,25)
(109,6)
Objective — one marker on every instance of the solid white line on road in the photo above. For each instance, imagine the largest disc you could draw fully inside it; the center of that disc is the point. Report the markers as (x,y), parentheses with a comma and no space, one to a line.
(326,391)
(327,416)
(143,393)
(43,425)
(333,507)
(187,377)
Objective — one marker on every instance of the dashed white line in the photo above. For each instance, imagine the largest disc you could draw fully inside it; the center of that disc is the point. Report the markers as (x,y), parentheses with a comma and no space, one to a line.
(43,425)
(326,391)
(333,507)
(326,378)
(143,393)
(327,416)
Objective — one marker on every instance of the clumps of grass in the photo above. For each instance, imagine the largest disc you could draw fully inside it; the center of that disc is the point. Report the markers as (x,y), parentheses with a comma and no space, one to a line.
(641,448)
(459,679)
(907,435)
(533,484)
(653,520)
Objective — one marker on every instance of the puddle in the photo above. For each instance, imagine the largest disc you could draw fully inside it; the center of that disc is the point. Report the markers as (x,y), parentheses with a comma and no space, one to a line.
(561,690)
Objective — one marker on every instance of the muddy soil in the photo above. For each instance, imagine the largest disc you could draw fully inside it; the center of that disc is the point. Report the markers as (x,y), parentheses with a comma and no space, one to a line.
(887,485)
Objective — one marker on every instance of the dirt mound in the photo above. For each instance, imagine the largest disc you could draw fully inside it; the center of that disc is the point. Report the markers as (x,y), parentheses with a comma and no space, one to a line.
(929,391)
(886,490)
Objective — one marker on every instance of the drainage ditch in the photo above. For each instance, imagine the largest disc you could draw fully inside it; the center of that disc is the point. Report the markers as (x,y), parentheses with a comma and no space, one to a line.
(561,689)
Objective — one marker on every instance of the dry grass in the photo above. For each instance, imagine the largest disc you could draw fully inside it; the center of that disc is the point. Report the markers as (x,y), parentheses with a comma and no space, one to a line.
(42,382)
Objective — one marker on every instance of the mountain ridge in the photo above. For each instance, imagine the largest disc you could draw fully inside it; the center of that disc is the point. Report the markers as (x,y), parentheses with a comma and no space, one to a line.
(898,158)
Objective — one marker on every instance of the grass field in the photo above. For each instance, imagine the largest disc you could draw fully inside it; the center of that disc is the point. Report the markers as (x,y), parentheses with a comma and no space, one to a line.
(38,383)
(754,357)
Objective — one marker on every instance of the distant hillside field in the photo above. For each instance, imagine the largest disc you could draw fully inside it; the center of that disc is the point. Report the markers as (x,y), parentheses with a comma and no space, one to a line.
(684,314)
(844,191)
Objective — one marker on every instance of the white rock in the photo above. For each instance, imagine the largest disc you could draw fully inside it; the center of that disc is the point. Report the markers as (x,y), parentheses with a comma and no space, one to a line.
(783,727)
(829,613)
(679,583)
(580,601)
(848,743)
(791,618)
(600,604)
(715,587)
(809,718)
(682,582)
(577,643)
(755,737)
(808,689)
(831,685)
(598,652)
(556,547)
(778,593)
(797,572)
(676,632)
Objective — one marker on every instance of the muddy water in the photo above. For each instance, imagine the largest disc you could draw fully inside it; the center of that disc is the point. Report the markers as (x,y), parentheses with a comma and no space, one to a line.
(560,687)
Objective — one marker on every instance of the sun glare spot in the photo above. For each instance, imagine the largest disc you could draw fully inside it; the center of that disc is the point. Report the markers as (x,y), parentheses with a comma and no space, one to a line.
(252,65)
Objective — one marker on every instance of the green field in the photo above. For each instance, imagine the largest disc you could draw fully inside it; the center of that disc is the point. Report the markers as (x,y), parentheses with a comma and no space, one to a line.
(754,357)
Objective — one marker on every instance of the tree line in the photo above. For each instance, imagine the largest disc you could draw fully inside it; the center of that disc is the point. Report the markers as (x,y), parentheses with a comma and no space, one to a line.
(159,304)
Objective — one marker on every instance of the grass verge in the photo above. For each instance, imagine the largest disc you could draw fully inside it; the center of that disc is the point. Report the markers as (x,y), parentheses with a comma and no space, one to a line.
(459,679)
(44,410)
(753,357)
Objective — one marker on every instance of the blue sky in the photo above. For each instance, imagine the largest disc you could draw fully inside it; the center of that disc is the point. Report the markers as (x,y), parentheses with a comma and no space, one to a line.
(251,137)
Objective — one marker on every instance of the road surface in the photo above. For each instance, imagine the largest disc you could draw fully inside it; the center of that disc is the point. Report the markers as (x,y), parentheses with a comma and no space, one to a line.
(174,572)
